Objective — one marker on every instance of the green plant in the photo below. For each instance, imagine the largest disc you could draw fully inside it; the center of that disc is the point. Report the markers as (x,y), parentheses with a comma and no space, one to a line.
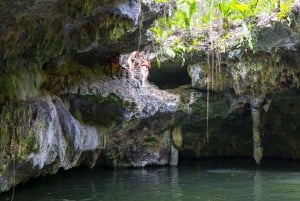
(192,20)
(285,7)
(181,21)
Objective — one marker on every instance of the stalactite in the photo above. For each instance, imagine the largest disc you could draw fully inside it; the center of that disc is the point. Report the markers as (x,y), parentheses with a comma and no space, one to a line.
(176,144)
(104,137)
(255,104)
(176,136)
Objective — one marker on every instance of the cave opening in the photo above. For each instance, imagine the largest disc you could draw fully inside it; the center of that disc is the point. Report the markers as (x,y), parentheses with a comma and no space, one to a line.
(170,76)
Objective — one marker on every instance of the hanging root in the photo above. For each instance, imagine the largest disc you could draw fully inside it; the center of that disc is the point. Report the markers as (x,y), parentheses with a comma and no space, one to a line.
(208,79)
(255,104)
(14,155)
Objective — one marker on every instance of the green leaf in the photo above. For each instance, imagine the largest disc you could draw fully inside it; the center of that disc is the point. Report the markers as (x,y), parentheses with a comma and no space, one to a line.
(157,31)
(158,62)
(192,8)
(225,9)
(240,7)
(243,9)
(183,18)
(285,8)
(161,1)
(206,18)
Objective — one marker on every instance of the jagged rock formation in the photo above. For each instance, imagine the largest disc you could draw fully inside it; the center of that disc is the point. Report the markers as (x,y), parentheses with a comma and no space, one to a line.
(61,107)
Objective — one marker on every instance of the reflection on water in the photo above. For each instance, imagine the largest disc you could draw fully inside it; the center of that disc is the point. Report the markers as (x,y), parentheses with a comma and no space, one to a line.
(205,181)
(257,192)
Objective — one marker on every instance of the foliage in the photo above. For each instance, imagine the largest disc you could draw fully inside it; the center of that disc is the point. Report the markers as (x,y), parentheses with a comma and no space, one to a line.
(285,7)
(209,24)
(161,1)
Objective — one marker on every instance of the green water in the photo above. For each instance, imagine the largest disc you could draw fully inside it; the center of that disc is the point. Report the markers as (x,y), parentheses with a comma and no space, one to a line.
(207,181)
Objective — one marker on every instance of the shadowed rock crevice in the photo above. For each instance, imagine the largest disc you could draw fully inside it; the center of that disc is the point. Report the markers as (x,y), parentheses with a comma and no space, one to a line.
(169,76)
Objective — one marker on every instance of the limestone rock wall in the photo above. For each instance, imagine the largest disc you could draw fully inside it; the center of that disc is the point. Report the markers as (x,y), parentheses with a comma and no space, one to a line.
(60,107)
(38,136)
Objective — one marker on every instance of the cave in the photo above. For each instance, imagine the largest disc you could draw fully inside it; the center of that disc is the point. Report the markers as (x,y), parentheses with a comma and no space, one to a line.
(75,92)
(169,76)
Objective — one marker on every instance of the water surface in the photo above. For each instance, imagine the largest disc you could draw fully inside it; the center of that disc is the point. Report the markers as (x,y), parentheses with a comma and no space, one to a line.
(204,180)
